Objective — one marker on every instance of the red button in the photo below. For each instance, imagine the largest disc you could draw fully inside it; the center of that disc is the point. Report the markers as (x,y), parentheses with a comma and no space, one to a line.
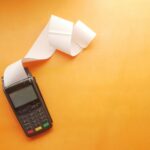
(30,131)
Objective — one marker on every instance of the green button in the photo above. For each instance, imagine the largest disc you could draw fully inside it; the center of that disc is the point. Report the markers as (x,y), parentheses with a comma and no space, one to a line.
(45,125)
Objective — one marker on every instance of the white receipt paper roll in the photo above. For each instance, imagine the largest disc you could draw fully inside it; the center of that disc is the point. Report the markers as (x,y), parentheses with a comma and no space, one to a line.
(58,34)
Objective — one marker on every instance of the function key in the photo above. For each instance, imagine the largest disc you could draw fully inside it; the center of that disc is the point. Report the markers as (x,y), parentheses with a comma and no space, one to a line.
(33,106)
(38,128)
(40,110)
(46,125)
(19,112)
(30,131)
(38,104)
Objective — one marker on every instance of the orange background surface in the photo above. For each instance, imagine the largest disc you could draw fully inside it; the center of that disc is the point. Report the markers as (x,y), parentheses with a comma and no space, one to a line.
(99,100)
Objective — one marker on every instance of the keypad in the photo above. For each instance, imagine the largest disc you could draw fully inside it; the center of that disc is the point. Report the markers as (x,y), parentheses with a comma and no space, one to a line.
(34,118)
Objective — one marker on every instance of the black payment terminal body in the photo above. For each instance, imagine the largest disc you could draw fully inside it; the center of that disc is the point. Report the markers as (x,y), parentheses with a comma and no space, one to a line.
(28,105)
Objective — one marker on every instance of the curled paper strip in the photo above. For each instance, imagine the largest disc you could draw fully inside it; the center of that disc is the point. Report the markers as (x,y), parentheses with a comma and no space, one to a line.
(58,34)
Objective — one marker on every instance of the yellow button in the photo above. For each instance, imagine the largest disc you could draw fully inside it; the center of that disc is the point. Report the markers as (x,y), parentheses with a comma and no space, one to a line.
(38,128)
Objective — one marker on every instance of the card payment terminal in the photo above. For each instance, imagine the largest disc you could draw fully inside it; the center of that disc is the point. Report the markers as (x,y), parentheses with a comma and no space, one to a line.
(28,105)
